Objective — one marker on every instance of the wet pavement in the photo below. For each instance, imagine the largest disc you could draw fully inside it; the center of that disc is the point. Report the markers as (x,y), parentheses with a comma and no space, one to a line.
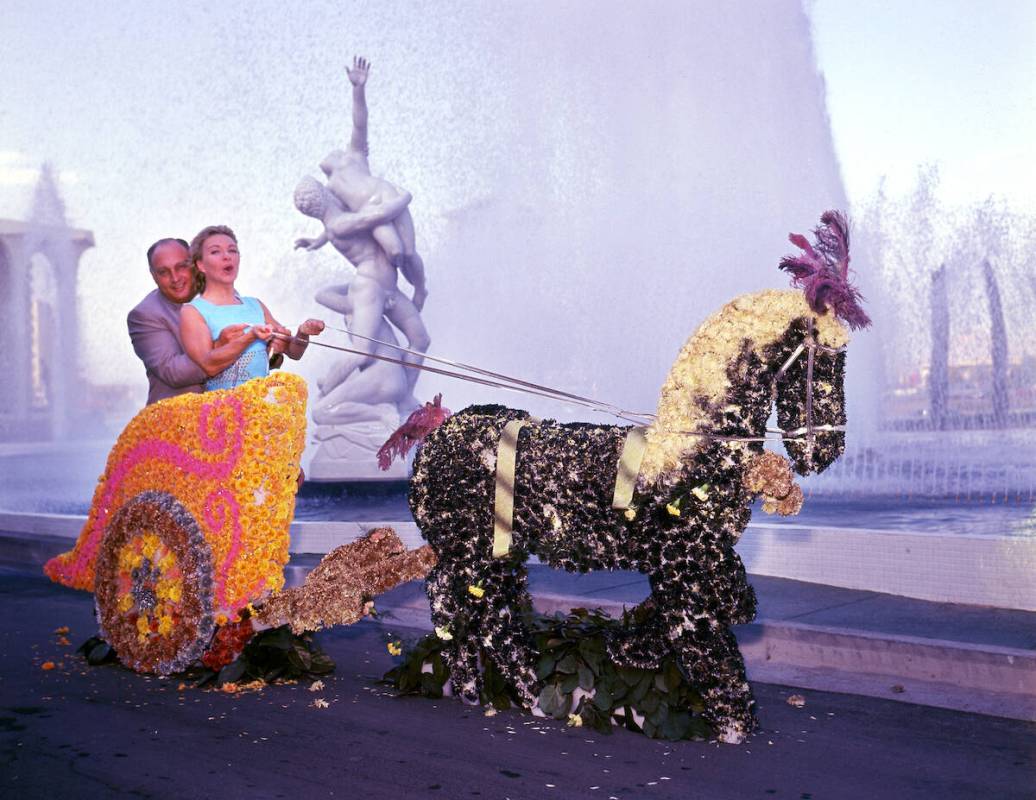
(78,731)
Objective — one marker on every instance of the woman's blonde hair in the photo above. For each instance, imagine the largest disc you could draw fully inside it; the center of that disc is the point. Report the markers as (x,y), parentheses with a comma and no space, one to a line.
(198,242)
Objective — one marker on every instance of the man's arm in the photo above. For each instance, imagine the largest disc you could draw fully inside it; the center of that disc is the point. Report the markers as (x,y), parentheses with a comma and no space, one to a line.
(370,216)
(283,342)
(358,78)
(158,348)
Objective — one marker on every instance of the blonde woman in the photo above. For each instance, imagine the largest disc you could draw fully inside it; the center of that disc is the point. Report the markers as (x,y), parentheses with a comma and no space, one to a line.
(215,253)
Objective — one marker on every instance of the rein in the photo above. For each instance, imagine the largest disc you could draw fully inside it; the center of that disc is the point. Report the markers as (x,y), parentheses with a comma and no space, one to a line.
(498,380)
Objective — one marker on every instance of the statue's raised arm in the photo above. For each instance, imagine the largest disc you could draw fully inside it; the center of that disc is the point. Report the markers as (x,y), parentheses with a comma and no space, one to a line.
(358,78)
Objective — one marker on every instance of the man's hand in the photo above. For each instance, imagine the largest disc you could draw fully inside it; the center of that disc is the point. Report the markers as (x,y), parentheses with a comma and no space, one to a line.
(311,327)
(420,295)
(229,334)
(358,72)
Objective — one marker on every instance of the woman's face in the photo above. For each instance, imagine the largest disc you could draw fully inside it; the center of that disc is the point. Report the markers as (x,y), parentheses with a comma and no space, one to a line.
(219,259)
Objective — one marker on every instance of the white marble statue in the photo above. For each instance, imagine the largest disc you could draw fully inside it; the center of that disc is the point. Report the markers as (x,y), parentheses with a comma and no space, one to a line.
(368,221)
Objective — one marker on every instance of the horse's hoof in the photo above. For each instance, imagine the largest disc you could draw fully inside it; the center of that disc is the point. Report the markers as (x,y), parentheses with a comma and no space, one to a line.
(732,734)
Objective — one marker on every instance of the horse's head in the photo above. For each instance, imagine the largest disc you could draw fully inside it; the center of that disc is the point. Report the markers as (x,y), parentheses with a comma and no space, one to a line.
(810,387)
(811,395)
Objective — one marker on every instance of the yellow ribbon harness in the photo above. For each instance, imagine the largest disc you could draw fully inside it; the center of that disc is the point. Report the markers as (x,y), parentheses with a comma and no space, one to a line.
(506,456)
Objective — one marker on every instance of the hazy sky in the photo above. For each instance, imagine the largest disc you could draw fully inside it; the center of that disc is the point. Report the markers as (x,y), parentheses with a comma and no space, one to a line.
(93,85)
(949,82)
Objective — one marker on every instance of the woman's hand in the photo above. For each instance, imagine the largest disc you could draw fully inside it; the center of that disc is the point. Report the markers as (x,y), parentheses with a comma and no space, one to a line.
(280,339)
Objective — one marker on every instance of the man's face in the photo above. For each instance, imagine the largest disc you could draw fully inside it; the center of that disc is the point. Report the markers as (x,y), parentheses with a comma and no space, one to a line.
(173,273)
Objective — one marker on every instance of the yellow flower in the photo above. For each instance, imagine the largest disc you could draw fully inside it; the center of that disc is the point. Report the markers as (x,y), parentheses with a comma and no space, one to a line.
(673,508)
(395,649)
(165,625)
(476,591)
(701,492)
(149,542)
(125,603)
(575,721)
(143,625)
(630,514)
(221,619)
(444,634)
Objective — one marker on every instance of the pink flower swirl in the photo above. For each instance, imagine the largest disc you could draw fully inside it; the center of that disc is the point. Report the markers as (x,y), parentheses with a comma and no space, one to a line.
(218,506)
(231,442)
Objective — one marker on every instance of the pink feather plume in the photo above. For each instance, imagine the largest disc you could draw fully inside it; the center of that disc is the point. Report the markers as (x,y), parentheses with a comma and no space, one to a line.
(418,425)
(822,271)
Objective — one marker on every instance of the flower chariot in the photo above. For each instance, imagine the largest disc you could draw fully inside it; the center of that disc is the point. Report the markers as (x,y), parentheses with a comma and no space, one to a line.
(188,533)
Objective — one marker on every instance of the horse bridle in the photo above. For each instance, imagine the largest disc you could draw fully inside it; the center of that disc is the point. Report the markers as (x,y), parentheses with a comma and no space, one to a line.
(809,345)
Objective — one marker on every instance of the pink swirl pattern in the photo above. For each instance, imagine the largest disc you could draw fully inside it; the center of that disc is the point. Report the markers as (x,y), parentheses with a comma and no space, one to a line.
(218,506)
(230,442)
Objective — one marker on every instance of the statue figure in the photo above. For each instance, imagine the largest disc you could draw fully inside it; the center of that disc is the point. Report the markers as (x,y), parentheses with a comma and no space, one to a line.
(354,197)
(367,220)
(374,392)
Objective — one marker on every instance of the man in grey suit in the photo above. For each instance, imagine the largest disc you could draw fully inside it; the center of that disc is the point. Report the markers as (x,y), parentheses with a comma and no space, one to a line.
(154,325)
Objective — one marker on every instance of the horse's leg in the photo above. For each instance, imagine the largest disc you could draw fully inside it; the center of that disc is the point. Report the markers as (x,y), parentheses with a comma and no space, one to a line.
(709,655)
(643,644)
(508,640)
(460,652)
(717,671)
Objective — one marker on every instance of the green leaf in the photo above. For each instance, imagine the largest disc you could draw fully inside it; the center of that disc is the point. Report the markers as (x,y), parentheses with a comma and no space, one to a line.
(550,699)
(569,684)
(677,725)
(277,638)
(586,678)
(545,667)
(99,653)
(591,648)
(673,676)
(603,698)
(568,664)
(232,672)
(649,703)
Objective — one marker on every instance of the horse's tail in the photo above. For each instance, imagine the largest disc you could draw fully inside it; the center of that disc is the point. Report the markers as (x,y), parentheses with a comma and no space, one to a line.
(417,426)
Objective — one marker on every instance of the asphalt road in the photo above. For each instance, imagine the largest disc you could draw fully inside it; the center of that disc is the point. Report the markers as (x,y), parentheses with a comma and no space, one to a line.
(98,732)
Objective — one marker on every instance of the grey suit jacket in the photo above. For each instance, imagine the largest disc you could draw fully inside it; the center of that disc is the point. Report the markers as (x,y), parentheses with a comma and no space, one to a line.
(154,329)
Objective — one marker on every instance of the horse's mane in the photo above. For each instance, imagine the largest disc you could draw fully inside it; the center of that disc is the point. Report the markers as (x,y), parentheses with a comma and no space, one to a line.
(700,370)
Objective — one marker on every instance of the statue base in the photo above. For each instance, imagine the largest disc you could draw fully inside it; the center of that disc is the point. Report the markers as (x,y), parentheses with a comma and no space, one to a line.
(350,451)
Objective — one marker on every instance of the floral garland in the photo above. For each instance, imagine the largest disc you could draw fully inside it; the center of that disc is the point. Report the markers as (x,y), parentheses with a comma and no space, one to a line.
(189,522)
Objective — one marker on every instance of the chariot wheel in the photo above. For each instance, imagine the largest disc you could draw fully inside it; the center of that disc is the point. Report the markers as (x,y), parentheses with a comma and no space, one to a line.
(154,585)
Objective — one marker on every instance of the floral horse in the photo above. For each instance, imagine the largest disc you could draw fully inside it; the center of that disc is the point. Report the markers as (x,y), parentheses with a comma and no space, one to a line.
(701,464)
